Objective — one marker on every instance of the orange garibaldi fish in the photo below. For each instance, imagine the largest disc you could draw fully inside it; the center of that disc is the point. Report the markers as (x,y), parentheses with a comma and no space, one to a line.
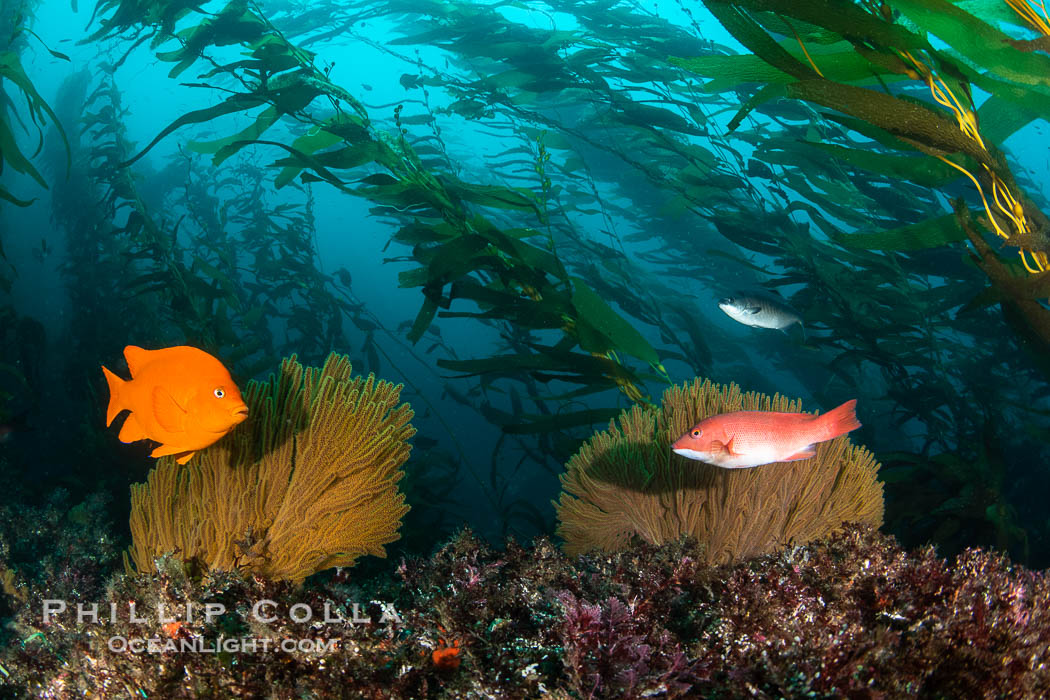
(744,439)
(181,397)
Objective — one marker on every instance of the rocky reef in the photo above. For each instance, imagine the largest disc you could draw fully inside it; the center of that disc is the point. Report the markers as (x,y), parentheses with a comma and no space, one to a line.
(852,615)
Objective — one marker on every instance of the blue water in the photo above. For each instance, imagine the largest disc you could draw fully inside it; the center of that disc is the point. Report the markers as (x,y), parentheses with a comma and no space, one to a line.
(365,62)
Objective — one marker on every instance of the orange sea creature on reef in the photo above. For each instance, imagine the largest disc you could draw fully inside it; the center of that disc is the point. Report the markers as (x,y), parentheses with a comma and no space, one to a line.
(174,629)
(181,397)
(446,656)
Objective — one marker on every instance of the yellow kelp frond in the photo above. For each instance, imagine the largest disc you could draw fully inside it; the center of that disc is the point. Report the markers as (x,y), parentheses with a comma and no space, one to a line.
(966,119)
(625,483)
(885,43)
(802,45)
(1028,13)
(308,483)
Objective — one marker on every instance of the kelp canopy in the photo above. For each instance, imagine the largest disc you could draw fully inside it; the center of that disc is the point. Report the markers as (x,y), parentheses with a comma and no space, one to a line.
(576,183)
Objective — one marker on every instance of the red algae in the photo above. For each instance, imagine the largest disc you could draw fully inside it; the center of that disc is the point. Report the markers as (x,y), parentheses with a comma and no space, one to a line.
(850,616)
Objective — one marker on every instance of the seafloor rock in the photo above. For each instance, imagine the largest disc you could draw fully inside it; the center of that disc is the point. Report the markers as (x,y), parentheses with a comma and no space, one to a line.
(851,616)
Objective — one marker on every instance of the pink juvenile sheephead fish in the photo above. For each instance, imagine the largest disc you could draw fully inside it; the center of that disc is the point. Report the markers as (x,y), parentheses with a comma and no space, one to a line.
(743,439)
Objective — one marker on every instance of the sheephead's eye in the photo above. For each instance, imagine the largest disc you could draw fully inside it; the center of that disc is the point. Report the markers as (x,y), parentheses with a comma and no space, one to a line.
(697,433)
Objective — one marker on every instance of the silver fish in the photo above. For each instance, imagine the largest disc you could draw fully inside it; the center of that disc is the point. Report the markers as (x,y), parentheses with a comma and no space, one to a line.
(760,312)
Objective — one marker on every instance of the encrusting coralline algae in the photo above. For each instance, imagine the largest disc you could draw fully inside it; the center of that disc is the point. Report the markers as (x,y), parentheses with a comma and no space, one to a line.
(849,616)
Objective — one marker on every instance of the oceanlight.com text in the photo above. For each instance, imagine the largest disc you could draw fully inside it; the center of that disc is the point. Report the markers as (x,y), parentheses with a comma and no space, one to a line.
(234,645)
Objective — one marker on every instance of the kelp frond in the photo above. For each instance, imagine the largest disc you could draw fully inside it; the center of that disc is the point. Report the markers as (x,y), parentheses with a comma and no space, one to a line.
(886,45)
(1005,202)
(1028,13)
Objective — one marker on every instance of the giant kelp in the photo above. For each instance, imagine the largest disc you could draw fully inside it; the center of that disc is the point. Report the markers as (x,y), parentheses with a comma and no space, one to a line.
(19,100)
(884,313)
(758,204)
(517,276)
(463,255)
(178,256)
(911,97)
(14,28)
(889,47)
(191,265)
